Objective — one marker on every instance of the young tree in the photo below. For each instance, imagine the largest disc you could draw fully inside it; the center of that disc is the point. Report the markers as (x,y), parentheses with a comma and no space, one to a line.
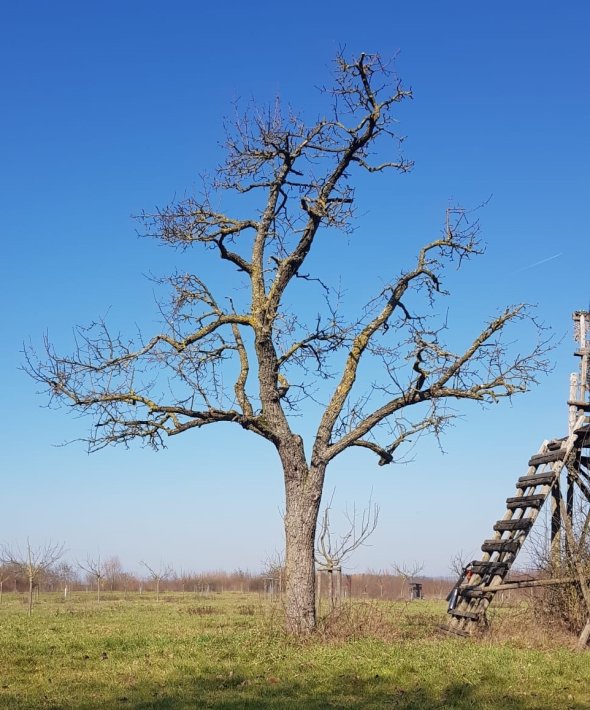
(6,573)
(158,575)
(65,574)
(94,568)
(408,572)
(33,563)
(331,551)
(295,179)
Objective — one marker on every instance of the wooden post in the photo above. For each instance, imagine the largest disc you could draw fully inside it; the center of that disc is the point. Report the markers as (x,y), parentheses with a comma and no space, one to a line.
(556,508)
(574,397)
(569,499)
(584,350)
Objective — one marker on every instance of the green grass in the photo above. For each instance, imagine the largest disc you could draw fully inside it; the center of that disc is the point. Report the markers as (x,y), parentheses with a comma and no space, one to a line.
(228,651)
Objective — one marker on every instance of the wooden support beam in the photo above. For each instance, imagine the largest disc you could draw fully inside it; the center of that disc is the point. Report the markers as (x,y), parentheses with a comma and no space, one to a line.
(556,500)
(525,583)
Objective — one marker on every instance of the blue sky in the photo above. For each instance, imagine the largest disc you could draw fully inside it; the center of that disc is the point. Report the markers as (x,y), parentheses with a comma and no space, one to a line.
(111,108)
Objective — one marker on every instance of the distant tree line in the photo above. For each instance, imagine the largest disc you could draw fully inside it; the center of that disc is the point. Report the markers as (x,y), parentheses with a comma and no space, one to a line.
(109,576)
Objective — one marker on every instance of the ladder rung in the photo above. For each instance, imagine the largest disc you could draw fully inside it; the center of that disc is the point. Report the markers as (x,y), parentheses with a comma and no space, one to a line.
(465,614)
(457,632)
(500,546)
(585,406)
(534,501)
(518,524)
(552,456)
(554,444)
(538,479)
(472,593)
(485,568)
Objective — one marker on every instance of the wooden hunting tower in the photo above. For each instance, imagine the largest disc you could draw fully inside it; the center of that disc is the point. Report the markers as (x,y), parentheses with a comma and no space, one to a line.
(559,471)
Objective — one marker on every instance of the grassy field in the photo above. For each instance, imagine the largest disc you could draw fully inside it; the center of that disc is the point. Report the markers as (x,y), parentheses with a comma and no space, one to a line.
(228,651)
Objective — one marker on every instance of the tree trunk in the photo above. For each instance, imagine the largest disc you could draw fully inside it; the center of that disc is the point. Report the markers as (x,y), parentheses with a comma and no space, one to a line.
(30,595)
(303,495)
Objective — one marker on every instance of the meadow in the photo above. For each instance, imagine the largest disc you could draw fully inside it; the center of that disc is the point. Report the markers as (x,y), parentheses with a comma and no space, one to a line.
(229,651)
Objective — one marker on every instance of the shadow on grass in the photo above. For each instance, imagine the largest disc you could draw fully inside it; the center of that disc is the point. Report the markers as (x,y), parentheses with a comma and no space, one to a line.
(238,693)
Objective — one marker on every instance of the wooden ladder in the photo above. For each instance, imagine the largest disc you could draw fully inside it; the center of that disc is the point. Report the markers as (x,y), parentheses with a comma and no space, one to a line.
(473,592)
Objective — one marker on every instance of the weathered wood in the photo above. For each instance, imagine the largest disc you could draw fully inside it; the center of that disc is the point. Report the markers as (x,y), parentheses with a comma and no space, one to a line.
(473,593)
(551,457)
(525,583)
(555,444)
(456,632)
(534,501)
(500,546)
(585,406)
(482,567)
(584,636)
(515,524)
(538,479)
(474,616)
(555,545)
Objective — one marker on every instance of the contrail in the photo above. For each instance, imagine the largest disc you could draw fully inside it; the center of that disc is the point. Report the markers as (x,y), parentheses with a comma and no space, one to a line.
(538,263)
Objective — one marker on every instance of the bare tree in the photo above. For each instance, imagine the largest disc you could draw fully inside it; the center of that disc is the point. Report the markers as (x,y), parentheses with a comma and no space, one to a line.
(33,562)
(254,355)
(331,551)
(459,562)
(409,572)
(94,568)
(66,575)
(273,573)
(6,573)
(113,571)
(158,575)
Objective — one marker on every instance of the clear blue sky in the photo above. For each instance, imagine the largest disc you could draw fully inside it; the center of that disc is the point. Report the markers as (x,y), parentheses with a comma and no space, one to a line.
(114,107)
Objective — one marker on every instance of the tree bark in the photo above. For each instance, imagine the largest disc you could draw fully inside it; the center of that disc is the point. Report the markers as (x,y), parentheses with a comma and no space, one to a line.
(303,488)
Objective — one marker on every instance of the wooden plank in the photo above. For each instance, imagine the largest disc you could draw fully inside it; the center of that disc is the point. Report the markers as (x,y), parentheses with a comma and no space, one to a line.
(473,593)
(534,501)
(465,614)
(456,632)
(524,583)
(487,568)
(552,456)
(537,479)
(554,444)
(518,524)
(585,406)
(583,430)
(500,546)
